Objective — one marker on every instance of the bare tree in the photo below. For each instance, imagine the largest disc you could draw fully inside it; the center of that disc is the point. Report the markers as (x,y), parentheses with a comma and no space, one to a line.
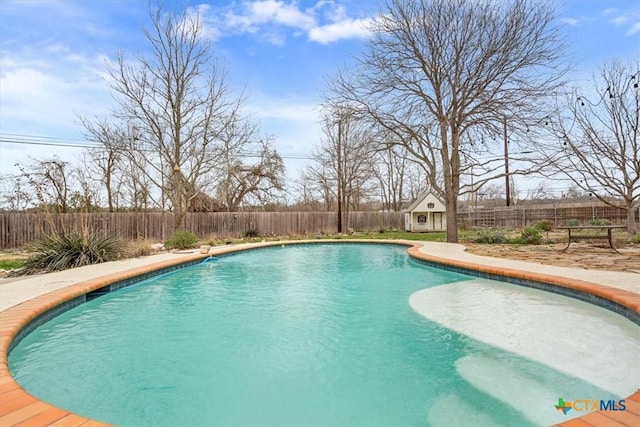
(489,194)
(438,74)
(344,160)
(398,174)
(179,104)
(15,194)
(87,196)
(137,188)
(107,161)
(242,179)
(317,188)
(595,144)
(50,181)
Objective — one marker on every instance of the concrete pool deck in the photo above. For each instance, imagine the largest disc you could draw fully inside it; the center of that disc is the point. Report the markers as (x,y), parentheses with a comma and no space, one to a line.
(24,299)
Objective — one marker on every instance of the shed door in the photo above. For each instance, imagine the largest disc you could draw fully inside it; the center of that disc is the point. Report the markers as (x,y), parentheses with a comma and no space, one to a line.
(437,221)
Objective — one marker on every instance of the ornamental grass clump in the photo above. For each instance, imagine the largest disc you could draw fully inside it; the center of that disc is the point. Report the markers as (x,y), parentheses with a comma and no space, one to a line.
(62,251)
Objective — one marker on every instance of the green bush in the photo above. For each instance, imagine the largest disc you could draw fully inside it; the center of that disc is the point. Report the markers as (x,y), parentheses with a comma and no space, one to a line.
(181,239)
(70,250)
(490,236)
(382,230)
(635,239)
(531,236)
(252,232)
(599,221)
(573,223)
(543,225)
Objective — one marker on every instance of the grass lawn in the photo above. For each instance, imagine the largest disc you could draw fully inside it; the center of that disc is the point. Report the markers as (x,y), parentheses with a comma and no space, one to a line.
(10,264)
(387,234)
(393,234)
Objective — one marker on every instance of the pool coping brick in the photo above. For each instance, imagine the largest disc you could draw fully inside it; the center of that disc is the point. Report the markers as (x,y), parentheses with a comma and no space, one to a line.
(19,408)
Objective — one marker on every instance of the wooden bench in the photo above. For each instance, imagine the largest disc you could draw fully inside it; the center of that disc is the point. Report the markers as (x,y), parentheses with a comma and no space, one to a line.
(576,237)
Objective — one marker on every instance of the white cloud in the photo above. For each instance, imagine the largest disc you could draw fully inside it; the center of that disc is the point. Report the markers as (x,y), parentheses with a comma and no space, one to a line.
(330,11)
(346,29)
(294,120)
(276,38)
(324,23)
(619,20)
(624,18)
(58,48)
(264,107)
(280,13)
(573,22)
(44,98)
(207,19)
(635,28)
(268,12)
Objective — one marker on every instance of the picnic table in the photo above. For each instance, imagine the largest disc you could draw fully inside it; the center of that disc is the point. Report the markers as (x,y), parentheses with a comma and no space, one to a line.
(575,237)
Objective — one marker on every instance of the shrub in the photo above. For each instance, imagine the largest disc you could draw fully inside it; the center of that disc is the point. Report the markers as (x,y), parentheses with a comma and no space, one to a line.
(382,230)
(70,250)
(573,223)
(490,236)
(531,236)
(543,225)
(136,248)
(252,232)
(181,239)
(635,239)
(599,221)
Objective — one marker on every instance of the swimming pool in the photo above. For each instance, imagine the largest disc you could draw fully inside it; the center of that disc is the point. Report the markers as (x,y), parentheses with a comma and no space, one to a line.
(314,334)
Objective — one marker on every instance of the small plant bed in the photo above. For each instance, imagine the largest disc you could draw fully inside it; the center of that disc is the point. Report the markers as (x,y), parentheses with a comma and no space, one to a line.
(69,250)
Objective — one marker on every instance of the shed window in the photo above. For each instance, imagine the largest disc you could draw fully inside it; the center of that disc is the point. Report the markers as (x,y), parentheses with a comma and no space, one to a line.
(431,205)
(422,219)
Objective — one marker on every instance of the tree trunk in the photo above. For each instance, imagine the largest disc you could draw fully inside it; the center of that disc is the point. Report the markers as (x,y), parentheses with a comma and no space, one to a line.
(109,193)
(632,227)
(178,219)
(452,219)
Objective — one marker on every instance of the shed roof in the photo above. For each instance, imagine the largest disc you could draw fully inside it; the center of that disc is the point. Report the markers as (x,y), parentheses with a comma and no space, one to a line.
(421,197)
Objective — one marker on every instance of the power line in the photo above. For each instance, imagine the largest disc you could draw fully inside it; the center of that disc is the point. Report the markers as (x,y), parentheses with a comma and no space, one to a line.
(39,137)
(22,139)
(51,144)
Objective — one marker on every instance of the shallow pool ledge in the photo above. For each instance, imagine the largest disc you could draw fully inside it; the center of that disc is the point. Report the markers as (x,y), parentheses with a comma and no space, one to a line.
(19,408)
(621,301)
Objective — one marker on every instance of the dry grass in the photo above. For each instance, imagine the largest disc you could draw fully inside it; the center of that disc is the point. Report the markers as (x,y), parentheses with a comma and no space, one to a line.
(136,248)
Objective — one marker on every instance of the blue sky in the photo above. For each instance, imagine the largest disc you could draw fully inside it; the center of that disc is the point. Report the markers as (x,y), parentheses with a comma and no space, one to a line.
(278,52)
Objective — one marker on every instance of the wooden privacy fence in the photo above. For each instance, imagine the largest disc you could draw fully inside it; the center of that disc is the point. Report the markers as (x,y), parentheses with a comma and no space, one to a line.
(19,229)
(558,215)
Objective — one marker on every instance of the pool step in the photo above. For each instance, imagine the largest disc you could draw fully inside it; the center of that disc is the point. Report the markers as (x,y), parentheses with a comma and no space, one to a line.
(521,388)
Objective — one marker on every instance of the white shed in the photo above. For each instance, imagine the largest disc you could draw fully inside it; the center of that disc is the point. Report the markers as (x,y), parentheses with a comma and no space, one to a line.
(426,213)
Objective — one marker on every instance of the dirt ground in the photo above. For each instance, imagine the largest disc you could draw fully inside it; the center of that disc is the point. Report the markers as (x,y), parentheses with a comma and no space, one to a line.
(587,255)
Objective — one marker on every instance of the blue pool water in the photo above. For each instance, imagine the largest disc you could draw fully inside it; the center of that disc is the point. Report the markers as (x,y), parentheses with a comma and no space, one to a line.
(317,335)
